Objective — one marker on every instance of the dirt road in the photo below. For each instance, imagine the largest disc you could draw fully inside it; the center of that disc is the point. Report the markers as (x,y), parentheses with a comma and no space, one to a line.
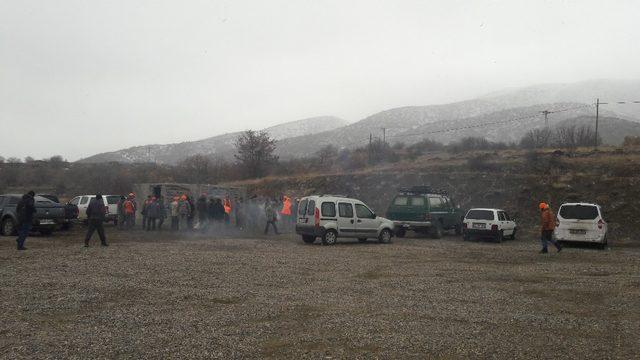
(152,296)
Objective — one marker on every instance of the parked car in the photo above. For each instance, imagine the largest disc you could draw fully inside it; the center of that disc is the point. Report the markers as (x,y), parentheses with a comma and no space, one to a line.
(49,215)
(424,211)
(70,211)
(110,203)
(581,222)
(330,217)
(488,223)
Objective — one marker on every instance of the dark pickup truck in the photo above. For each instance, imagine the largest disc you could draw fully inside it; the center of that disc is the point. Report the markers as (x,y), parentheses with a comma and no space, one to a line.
(49,214)
(71,211)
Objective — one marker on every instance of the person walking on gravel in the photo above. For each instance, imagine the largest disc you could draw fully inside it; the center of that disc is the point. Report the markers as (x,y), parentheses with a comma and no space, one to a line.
(25,209)
(96,214)
(548,224)
(272,216)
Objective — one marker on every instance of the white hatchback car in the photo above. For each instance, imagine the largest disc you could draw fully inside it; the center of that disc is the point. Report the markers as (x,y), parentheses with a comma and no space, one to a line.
(581,222)
(492,223)
(330,217)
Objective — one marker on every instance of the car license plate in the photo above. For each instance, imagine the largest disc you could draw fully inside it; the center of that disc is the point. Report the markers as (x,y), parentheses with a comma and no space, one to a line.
(46,222)
(479,226)
(577,231)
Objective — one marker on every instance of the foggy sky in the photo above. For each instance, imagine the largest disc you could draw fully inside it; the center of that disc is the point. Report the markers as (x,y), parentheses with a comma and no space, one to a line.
(82,77)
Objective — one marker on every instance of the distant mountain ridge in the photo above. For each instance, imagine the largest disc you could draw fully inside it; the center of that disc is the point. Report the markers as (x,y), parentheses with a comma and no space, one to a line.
(221,145)
(500,116)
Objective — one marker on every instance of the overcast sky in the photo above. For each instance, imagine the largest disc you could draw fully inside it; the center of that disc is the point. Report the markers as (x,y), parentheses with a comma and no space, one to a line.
(82,77)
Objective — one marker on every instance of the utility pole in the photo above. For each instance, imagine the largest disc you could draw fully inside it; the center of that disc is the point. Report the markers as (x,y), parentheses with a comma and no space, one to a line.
(384,135)
(546,120)
(370,141)
(595,145)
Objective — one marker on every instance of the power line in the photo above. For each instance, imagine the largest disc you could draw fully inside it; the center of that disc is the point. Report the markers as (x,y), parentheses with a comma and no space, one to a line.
(487,123)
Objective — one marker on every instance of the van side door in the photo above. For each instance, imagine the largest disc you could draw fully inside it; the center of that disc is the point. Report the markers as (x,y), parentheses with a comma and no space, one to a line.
(346,219)
(367,224)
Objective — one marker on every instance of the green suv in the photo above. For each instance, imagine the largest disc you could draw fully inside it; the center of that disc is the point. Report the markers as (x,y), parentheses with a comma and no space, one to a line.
(424,211)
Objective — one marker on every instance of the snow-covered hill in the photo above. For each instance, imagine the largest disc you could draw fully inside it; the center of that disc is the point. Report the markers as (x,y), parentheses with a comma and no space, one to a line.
(221,145)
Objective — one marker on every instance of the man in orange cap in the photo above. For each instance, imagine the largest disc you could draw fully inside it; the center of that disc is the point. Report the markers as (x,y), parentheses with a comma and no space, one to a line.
(548,224)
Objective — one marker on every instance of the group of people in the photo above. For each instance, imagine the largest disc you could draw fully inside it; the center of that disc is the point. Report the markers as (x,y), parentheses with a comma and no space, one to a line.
(183,210)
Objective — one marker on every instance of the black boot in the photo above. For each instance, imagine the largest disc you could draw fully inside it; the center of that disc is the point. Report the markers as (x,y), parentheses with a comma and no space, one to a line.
(104,244)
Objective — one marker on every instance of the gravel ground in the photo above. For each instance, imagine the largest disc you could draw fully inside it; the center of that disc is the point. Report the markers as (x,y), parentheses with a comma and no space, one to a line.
(160,296)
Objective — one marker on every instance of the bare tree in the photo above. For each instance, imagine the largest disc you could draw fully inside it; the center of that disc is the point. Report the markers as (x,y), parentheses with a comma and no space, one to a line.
(536,139)
(255,153)
(197,169)
(326,153)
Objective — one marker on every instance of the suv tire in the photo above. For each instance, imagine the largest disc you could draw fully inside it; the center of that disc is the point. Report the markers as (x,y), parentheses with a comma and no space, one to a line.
(8,227)
(330,237)
(385,236)
(436,231)
(308,239)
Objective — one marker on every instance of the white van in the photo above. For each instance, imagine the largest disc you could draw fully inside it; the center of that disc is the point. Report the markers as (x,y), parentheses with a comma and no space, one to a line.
(110,202)
(330,217)
(581,222)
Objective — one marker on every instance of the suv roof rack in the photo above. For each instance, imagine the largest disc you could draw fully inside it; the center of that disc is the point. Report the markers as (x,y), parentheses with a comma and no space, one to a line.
(333,195)
(422,190)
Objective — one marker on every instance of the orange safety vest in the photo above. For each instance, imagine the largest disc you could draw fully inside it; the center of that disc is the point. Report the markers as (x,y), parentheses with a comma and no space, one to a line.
(227,206)
(286,207)
(128,207)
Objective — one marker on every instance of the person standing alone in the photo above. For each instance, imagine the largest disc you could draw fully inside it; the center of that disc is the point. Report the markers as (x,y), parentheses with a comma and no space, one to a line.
(272,216)
(25,210)
(95,214)
(548,223)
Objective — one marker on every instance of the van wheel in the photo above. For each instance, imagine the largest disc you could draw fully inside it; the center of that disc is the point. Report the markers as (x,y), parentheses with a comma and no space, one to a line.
(362,240)
(385,236)
(330,237)
(308,239)
(8,227)
(436,231)
(500,236)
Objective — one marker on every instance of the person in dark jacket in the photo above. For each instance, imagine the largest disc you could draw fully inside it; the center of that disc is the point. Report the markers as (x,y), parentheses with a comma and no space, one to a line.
(25,210)
(95,215)
(121,213)
(202,210)
(153,213)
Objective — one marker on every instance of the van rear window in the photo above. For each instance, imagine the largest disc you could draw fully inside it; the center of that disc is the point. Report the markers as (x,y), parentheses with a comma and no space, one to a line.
(480,215)
(578,212)
(302,208)
(311,208)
